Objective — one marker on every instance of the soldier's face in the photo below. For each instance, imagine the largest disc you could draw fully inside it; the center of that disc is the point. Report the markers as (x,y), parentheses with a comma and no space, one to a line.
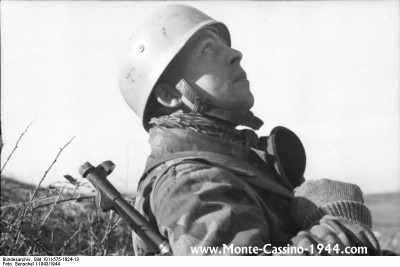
(213,68)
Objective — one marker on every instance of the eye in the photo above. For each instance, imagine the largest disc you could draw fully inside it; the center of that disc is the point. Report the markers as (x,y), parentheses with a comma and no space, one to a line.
(223,41)
(207,48)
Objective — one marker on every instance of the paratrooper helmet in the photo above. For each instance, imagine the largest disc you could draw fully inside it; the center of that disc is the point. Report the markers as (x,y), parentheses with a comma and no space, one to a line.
(153,45)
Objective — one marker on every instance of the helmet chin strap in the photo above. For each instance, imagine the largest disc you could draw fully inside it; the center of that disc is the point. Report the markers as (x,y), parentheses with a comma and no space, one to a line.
(199,105)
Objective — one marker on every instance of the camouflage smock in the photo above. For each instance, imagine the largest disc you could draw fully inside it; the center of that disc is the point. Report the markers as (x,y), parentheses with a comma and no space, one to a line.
(216,192)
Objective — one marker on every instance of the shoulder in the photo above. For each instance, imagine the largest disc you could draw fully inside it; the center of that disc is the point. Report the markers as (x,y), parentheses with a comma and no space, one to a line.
(193,171)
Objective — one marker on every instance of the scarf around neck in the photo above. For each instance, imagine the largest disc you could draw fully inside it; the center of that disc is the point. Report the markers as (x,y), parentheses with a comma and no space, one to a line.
(201,124)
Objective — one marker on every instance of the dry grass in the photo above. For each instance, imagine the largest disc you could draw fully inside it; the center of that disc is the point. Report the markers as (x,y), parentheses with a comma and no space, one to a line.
(71,226)
(57,220)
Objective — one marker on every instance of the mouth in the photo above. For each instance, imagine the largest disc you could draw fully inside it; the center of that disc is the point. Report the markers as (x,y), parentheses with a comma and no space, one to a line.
(240,77)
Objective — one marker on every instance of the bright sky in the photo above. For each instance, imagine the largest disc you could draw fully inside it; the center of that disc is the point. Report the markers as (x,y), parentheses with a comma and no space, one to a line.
(327,70)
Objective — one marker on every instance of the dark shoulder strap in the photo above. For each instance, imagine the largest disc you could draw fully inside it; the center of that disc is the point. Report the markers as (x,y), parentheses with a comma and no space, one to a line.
(157,161)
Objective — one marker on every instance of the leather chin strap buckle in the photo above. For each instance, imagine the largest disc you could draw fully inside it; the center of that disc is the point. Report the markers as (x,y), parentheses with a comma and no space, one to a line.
(189,96)
(198,105)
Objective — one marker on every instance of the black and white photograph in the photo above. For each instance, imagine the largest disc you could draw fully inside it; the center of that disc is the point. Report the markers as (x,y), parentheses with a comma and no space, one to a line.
(194,128)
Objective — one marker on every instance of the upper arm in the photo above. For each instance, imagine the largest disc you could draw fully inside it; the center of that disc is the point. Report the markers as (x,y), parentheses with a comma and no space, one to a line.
(205,206)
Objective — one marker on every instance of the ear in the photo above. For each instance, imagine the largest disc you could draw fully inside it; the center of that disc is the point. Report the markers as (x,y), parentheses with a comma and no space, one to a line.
(168,96)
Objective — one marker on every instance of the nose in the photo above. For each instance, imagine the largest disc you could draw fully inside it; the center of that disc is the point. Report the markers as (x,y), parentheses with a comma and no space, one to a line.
(234,57)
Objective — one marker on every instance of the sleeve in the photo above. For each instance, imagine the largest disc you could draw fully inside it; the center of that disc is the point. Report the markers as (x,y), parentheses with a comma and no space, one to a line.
(200,207)
(333,220)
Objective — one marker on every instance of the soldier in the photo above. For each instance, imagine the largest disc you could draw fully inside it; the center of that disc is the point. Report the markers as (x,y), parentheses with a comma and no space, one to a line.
(208,185)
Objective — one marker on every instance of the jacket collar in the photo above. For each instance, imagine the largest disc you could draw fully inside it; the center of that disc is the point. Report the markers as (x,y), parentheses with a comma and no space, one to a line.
(178,140)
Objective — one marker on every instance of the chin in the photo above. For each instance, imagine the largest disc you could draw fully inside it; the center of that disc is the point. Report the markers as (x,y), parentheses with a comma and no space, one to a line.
(245,104)
(243,109)
(250,102)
